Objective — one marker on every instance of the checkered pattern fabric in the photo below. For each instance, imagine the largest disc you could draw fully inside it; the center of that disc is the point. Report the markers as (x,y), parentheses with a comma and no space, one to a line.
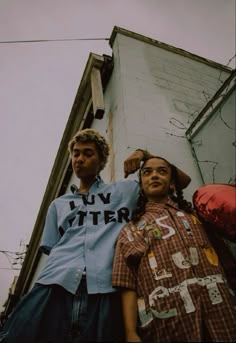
(181,287)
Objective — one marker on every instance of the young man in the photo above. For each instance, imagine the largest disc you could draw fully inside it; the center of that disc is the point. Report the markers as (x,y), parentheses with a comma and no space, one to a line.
(73,298)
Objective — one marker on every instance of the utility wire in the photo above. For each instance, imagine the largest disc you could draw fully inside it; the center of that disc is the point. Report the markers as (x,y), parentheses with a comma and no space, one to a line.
(10,268)
(50,40)
(15,259)
(12,252)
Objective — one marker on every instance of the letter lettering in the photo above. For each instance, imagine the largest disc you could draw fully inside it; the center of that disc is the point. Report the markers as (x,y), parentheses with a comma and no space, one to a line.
(82,215)
(105,199)
(161,292)
(61,230)
(123,213)
(71,221)
(86,200)
(180,261)
(109,216)
(144,315)
(171,229)
(72,205)
(185,295)
(214,293)
(95,217)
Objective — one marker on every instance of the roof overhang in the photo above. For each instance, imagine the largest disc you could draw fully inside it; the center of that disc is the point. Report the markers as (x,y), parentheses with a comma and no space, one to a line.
(157,43)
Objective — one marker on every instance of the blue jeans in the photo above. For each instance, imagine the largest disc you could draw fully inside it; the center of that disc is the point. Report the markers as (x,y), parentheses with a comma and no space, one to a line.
(51,314)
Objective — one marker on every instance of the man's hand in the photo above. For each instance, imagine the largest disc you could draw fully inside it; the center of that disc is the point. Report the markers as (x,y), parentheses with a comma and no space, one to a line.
(132,163)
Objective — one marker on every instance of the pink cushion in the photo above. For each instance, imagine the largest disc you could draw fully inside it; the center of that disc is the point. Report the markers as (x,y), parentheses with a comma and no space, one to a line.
(216,204)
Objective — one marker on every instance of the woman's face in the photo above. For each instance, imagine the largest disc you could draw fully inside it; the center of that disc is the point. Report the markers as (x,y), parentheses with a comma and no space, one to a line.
(156,179)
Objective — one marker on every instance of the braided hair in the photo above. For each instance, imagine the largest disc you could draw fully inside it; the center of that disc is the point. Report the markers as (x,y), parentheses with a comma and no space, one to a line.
(175,195)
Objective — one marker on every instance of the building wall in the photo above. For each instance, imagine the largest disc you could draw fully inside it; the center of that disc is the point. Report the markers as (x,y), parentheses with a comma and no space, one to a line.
(151,99)
(215,142)
(153,96)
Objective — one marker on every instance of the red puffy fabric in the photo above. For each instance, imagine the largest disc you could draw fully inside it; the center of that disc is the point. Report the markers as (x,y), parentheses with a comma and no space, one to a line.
(216,204)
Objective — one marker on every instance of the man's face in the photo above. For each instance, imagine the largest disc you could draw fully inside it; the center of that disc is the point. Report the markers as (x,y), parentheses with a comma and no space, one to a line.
(85,160)
(156,179)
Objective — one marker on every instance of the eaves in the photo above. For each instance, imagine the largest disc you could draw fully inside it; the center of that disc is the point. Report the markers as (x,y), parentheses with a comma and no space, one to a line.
(157,43)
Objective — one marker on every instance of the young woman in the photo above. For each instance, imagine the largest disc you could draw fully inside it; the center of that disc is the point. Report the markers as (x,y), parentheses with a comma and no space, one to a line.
(173,287)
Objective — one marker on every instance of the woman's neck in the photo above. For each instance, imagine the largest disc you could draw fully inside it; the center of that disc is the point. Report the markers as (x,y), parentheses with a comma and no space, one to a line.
(158,200)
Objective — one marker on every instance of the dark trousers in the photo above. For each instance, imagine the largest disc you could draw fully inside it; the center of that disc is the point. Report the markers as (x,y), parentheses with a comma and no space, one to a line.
(51,314)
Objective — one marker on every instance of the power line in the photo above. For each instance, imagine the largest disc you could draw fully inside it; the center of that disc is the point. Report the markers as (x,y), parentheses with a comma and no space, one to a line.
(15,258)
(51,40)
(12,252)
(10,268)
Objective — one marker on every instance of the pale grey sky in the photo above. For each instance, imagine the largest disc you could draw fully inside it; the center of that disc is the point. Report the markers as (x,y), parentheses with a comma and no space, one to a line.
(38,82)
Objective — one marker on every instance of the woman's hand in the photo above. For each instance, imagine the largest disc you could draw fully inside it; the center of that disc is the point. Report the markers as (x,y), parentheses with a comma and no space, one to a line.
(130,314)
(133,337)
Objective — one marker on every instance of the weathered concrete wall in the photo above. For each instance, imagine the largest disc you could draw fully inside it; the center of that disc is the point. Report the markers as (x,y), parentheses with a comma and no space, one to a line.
(215,143)
(151,99)
(154,95)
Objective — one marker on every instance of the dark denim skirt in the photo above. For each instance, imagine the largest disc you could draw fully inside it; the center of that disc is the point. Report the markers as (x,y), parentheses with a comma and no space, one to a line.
(48,313)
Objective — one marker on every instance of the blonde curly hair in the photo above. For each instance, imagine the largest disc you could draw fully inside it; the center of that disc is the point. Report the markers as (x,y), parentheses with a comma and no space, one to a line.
(91,136)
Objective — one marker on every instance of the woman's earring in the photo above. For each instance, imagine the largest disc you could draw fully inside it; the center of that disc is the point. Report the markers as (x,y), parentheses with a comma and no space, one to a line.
(141,193)
(172,189)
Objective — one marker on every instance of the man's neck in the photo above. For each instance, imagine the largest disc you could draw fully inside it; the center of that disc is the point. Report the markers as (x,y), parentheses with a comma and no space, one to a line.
(85,184)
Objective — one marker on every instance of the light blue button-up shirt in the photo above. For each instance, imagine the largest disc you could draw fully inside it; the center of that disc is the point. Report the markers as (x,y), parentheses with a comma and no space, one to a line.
(80,232)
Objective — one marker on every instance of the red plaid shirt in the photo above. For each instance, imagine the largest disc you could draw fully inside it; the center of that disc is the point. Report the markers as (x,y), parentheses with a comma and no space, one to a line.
(167,258)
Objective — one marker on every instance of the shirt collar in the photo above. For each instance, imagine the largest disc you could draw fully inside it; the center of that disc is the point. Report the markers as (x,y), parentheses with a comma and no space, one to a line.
(98,180)
(152,206)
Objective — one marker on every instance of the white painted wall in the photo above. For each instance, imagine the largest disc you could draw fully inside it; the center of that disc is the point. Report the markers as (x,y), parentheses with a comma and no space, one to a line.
(154,95)
(215,144)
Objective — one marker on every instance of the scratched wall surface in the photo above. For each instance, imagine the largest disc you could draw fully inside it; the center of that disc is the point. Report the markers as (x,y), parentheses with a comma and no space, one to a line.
(215,144)
(154,95)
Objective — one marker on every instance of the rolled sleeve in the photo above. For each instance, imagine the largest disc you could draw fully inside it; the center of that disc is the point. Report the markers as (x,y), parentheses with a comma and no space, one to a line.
(128,255)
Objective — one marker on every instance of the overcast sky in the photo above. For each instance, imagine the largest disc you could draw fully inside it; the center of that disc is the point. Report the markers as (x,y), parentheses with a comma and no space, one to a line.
(38,83)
